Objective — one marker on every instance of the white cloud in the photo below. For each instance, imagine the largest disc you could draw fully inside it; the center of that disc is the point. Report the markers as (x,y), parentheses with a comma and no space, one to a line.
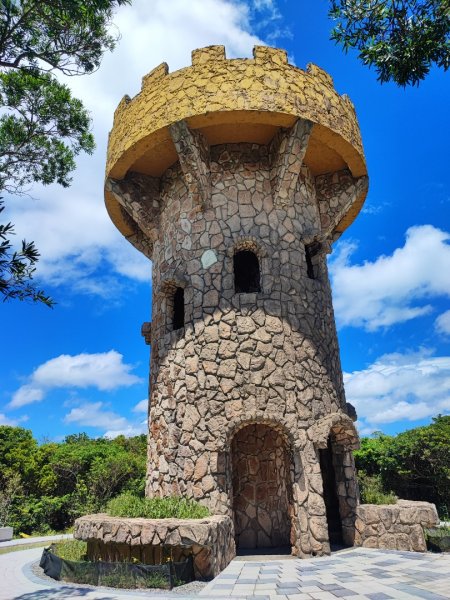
(392,289)
(398,387)
(4,420)
(105,371)
(91,414)
(130,431)
(442,323)
(94,414)
(141,407)
(79,245)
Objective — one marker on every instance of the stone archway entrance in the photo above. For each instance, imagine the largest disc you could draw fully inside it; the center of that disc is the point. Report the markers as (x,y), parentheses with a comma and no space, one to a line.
(262,488)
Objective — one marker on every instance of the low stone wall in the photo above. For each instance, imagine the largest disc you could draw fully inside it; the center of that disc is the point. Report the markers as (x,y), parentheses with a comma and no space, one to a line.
(394,526)
(210,540)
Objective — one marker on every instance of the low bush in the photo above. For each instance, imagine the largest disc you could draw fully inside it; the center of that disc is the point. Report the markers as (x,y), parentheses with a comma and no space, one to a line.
(372,491)
(173,507)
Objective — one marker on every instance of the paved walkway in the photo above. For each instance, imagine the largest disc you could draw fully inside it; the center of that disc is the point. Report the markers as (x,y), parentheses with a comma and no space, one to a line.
(352,574)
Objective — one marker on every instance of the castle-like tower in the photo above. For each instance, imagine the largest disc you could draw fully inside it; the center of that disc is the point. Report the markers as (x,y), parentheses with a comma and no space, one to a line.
(235,177)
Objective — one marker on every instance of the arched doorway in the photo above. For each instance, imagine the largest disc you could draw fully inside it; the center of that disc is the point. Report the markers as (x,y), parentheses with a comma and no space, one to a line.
(262,488)
(330,494)
(340,490)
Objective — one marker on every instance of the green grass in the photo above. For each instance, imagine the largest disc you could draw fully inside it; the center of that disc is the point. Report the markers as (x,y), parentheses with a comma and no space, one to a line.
(173,507)
(127,581)
(74,550)
(29,546)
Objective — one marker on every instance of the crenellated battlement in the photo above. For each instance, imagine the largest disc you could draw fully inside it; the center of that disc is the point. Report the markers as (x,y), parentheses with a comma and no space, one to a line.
(262,55)
(232,100)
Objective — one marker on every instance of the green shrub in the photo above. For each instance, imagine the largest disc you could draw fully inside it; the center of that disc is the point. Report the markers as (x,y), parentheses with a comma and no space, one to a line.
(414,464)
(173,507)
(372,491)
(75,550)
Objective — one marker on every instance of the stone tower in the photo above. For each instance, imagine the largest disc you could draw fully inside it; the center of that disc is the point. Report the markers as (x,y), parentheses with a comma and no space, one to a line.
(235,177)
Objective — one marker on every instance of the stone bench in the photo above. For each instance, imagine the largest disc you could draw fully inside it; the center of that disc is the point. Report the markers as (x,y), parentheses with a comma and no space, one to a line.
(397,526)
(150,541)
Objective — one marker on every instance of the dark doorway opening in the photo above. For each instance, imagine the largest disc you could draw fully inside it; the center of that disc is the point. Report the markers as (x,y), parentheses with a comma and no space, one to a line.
(262,490)
(178,309)
(246,272)
(330,496)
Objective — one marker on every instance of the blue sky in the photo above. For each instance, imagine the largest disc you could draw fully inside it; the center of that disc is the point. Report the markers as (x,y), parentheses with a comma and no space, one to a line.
(84,366)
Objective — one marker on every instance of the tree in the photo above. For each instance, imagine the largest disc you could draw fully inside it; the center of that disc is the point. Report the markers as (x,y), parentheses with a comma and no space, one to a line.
(61,481)
(414,464)
(8,494)
(17,268)
(402,39)
(42,126)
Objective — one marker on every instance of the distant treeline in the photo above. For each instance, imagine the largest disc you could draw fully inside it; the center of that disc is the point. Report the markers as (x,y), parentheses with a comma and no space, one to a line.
(52,484)
(44,487)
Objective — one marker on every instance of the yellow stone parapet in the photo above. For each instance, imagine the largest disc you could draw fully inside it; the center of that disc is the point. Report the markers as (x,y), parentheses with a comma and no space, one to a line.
(233,100)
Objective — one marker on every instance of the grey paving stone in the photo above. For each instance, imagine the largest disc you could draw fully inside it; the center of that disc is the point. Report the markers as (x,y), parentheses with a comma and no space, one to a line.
(379,573)
(379,596)
(310,582)
(287,591)
(342,593)
(419,593)
(270,571)
(330,587)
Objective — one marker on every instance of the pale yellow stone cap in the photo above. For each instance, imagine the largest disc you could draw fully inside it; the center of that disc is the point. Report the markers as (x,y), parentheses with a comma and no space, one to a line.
(233,100)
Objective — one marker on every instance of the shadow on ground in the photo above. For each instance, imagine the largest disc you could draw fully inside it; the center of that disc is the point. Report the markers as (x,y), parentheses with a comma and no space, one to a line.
(60,593)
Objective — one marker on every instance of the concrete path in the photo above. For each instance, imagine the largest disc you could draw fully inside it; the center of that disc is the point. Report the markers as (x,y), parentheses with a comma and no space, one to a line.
(352,574)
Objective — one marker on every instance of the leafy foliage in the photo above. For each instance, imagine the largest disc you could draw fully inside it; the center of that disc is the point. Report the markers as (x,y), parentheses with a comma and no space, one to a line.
(17,268)
(174,507)
(7,495)
(372,492)
(402,39)
(42,126)
(62,481)
(69,35)
(414,464)
(42,129)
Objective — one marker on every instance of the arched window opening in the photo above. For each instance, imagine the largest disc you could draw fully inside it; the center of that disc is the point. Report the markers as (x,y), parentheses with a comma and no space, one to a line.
(178,309)
(311,253)
(246,272)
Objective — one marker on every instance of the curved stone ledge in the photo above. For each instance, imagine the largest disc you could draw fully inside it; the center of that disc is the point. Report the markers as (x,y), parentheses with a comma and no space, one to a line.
(394,526)
(211,540)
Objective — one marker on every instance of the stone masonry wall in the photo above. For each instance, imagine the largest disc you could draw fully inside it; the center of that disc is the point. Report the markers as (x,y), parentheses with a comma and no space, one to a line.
(209,540)
(270,357)
(397,526)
